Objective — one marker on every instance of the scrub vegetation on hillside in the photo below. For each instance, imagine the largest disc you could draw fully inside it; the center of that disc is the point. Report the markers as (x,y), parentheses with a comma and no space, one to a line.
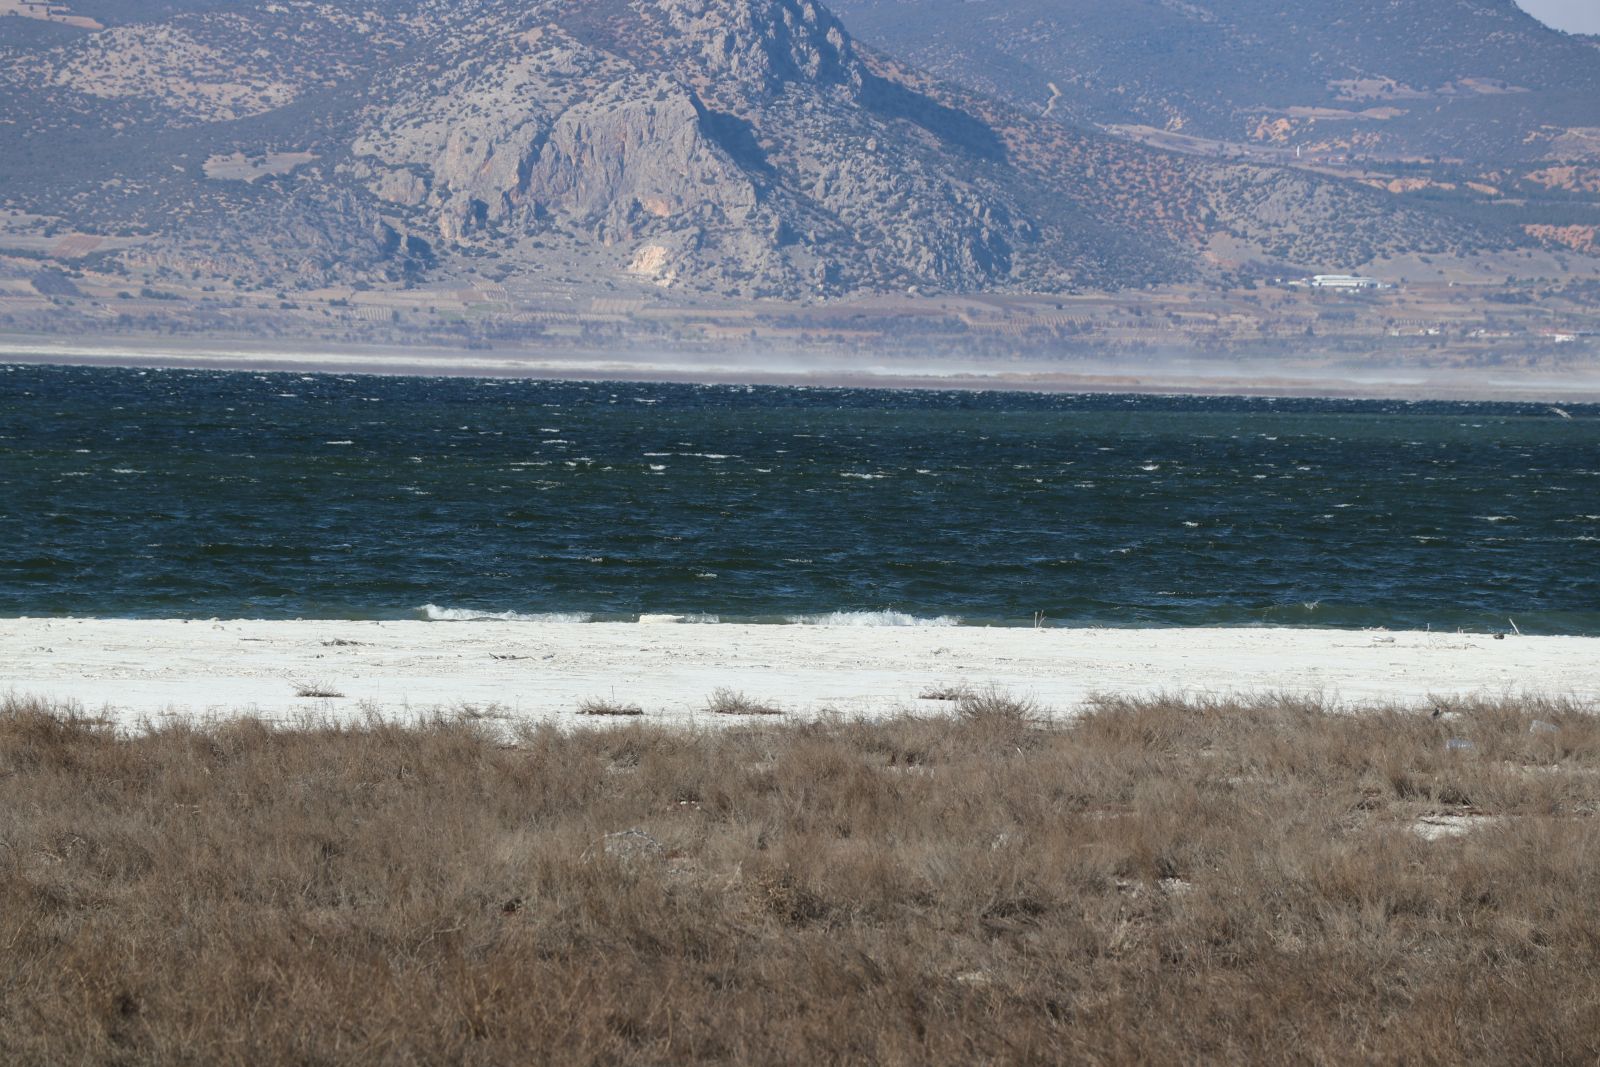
(1154,881)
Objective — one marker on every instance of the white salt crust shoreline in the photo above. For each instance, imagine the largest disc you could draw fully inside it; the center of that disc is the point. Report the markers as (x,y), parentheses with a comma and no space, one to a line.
(137,670)
(817,370)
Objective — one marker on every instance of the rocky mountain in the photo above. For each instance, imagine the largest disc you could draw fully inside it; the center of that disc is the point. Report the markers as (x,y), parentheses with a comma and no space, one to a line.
(1477,80)
(736,147)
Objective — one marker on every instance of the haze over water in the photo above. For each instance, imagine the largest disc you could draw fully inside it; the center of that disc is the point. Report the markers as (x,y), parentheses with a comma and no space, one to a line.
(199,494)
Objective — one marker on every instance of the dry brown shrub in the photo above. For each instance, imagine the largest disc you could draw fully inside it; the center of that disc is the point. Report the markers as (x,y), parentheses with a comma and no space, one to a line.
(1155,881)
(725,701)
(610,706)
(944,691)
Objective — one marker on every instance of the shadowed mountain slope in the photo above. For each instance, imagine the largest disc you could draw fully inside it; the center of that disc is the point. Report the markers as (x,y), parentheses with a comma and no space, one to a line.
(1478,80)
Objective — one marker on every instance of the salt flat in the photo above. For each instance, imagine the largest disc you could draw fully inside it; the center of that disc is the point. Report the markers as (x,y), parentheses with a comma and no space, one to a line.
(135,669)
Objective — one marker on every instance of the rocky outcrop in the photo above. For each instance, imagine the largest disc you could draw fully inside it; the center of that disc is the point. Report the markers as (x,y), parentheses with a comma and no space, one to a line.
(778,179)
(635,153)
(632,159)
(762,44)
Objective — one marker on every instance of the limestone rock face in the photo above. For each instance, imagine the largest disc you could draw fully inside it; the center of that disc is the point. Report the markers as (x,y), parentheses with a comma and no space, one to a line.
(400,186)
(764,42)
(635,153)
(547,132)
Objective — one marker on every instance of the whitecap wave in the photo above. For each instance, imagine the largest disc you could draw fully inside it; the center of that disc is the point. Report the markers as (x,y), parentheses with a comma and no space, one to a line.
(434,613)
(871,618)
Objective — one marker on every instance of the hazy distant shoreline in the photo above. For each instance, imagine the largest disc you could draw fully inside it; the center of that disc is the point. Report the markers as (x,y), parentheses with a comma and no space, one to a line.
(828,370)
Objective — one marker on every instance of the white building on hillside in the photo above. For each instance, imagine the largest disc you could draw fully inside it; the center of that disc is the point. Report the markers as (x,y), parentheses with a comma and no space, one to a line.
(1346,281)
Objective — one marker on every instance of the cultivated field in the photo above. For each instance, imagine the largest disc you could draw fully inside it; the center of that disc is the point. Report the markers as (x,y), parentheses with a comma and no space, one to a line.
(1150,881)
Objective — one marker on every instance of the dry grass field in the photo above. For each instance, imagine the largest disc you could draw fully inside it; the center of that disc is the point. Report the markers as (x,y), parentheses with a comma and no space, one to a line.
(1151,882)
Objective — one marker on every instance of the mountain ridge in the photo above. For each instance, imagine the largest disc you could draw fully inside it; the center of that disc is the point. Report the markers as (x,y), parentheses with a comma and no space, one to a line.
(741,147)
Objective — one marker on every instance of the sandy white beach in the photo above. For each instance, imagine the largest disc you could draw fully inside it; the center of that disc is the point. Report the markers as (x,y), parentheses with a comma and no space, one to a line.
(132,670)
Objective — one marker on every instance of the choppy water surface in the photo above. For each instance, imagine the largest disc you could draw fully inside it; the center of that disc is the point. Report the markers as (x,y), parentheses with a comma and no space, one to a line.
(149,493)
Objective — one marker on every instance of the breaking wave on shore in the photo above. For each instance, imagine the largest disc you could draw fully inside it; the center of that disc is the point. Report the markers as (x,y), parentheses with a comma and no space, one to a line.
(435,613)
(872,618)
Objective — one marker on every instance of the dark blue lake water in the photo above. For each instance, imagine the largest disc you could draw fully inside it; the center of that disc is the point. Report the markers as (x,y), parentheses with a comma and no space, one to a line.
(190,494)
